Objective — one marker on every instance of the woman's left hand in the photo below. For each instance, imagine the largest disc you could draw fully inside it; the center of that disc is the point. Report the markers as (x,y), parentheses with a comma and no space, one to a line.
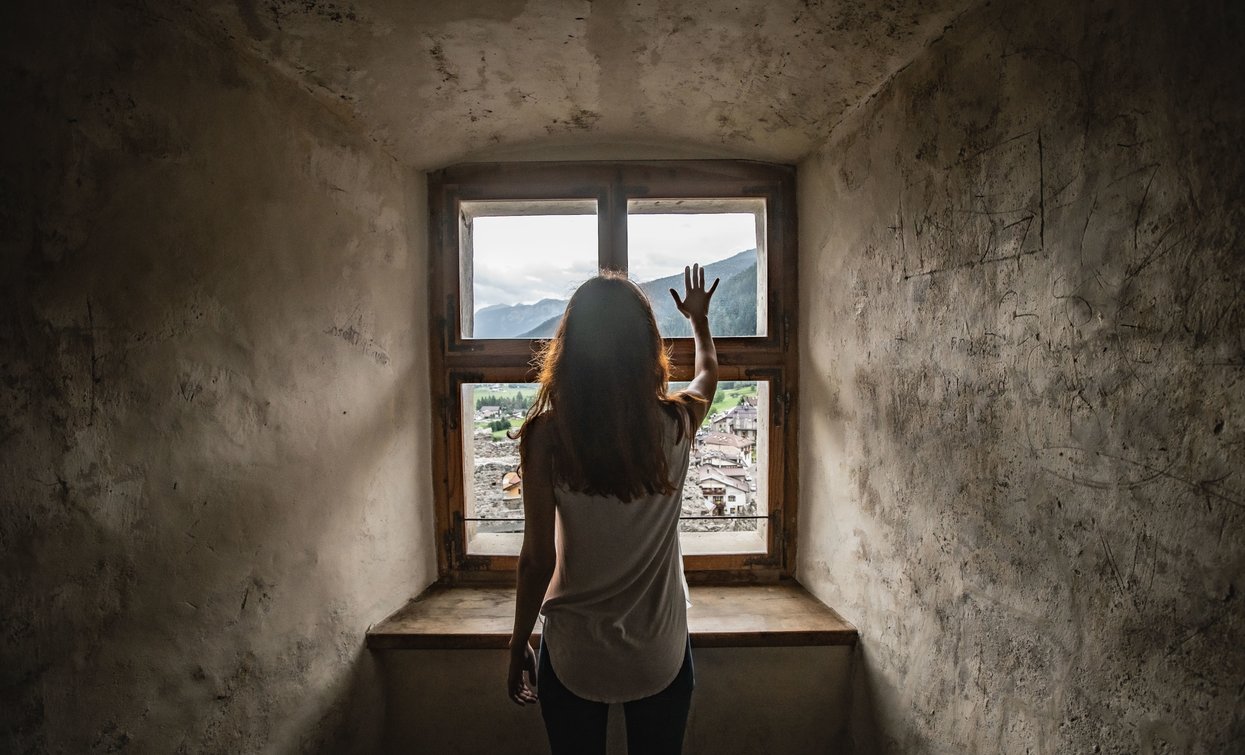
(521,682)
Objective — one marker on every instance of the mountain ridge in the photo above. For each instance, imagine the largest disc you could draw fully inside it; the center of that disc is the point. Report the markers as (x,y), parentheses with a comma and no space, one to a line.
(733,311)
(507,320)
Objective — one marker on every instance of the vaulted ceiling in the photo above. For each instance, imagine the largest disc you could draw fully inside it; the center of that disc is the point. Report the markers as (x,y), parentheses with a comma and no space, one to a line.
(436,82)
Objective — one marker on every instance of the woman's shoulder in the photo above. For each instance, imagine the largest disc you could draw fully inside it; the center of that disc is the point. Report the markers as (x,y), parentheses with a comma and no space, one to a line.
(683,408)
(689,405)
(539,429)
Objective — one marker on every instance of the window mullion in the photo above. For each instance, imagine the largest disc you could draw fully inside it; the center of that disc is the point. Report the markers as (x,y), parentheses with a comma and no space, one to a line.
(612,214)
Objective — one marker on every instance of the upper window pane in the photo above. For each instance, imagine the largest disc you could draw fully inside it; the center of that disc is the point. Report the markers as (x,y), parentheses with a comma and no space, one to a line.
(727,238)
(520,262)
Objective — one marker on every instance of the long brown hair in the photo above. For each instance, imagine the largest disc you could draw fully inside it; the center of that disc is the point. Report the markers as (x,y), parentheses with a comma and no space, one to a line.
(603,390)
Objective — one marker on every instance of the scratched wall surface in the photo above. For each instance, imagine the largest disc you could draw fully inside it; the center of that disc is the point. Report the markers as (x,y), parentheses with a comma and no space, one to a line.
(212,409)
(1022,384)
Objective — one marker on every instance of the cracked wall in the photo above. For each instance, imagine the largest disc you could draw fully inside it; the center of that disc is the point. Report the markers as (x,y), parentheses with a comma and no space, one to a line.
(1022,378)
(212,405)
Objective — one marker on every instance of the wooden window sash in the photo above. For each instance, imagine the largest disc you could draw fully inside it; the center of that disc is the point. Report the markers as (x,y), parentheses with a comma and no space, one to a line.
(455,360)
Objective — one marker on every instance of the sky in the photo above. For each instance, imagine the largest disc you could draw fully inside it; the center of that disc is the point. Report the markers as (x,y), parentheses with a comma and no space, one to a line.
(522,259)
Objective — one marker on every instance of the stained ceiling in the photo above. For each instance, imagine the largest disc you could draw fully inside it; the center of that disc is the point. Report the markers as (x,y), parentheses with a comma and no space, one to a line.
(436,83)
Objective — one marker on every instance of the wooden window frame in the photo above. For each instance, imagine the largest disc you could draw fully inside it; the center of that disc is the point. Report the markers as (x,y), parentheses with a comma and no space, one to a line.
(455,360)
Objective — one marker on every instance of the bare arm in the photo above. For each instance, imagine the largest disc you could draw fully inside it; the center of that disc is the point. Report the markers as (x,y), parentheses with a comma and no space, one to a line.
(537,560)
(695,307)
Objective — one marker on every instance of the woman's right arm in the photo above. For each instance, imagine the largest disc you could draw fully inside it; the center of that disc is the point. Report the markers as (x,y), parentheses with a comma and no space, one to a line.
(695,307)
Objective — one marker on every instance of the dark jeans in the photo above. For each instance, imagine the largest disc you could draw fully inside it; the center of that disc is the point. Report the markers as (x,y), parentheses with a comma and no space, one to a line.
(577,726)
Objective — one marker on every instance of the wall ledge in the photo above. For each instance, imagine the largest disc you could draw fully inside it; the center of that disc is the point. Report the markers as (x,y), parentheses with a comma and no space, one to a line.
(480,617)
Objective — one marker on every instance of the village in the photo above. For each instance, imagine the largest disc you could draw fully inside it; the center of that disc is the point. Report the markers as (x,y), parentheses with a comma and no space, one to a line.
(720,492)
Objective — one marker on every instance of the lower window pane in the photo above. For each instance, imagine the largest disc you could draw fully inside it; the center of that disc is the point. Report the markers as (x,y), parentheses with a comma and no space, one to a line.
(724,502)
(725,496)
(493,492)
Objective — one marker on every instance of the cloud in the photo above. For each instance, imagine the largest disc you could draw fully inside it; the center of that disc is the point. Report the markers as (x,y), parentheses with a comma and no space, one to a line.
(527,258)
(523,259)
(661,245)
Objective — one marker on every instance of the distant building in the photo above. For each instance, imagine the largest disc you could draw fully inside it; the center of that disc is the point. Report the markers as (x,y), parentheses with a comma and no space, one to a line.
(725,494)
(738,473)
(488,412)
(728,464)
(739,420)
(735,448)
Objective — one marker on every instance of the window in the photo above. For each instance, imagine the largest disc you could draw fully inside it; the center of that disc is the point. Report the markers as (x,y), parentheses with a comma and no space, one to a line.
(511,242)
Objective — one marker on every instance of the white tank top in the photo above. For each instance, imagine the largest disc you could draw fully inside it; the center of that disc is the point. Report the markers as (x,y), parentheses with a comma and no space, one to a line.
(616,609)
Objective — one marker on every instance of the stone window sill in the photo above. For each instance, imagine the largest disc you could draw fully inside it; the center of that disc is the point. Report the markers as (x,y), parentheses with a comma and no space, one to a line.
(478,617)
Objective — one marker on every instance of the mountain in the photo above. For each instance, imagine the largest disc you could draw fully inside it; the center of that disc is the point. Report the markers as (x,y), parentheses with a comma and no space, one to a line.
(507,321)
(733,312)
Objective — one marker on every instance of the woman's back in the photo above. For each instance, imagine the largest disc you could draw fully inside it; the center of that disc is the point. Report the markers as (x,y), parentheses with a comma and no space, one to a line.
(604,454)
(615,611)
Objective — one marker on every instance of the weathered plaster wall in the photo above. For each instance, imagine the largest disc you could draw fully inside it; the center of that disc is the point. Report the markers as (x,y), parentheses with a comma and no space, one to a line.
(213,421)
(1022,384)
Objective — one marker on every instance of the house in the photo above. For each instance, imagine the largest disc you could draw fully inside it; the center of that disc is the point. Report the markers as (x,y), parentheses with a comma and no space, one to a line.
(737,473)
(488,412)
(726,494)
(741,476)
(739,420)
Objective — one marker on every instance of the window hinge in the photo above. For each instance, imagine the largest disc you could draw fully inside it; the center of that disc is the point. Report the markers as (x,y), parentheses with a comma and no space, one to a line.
(449,418)
(784,408)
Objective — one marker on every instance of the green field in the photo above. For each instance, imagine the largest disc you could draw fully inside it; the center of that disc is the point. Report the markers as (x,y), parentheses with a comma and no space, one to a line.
(728,395)
(726,398)
(499,434)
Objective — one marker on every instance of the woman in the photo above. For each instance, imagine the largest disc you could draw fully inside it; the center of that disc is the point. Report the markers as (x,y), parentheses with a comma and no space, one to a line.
(603,454)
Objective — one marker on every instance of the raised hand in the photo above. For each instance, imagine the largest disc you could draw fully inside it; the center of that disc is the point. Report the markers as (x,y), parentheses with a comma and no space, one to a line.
(695,301)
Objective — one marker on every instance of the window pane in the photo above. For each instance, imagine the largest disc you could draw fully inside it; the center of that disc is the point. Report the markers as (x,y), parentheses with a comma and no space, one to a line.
(492,489)
(520,262)
(725,496)
(725,236)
